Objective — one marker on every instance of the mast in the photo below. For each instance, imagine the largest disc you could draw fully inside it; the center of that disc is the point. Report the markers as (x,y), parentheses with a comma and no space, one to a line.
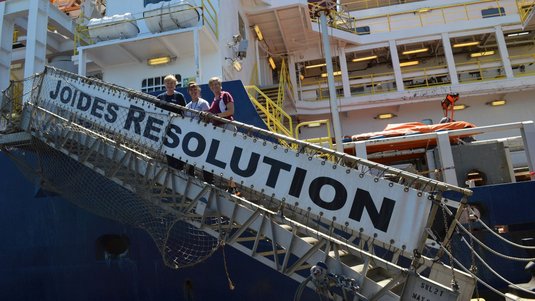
(330,79)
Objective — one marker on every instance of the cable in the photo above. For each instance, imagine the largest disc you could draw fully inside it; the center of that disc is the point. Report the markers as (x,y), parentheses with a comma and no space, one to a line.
(489,249)
(471,273)
(499,236)
(496,273)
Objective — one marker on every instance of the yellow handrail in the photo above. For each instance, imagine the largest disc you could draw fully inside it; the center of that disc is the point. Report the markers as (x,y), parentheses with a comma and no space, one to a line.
(524,8)
(254,76)
(275,115)
(81,33)
(209,13)
(321,140)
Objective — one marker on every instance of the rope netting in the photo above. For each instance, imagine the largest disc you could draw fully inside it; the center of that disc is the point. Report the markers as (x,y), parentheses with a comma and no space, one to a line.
(135,200)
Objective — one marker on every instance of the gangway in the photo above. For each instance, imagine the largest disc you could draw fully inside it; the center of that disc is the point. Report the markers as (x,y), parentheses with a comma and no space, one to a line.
(302,206)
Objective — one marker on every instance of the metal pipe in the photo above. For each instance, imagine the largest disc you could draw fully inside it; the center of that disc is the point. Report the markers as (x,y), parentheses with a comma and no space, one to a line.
(330,78)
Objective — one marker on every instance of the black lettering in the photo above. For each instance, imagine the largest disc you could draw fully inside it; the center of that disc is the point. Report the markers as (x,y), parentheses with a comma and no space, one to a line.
(150,127)
(380,219)
(214,147)
(297,182)
(98,106)
(84,102)
(54,94)
(65,95)
(136,116)
(340,193)
(112,109)
(276,167)
(235,162)
(171,139)
(201,144)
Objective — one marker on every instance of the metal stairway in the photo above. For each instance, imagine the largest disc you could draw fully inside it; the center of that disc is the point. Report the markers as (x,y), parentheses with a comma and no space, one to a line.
(269,223)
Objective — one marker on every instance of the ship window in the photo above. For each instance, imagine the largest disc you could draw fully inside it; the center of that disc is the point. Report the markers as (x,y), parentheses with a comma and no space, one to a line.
(493,12)
(363,30)
(154,84)
(112,246)
(145,2)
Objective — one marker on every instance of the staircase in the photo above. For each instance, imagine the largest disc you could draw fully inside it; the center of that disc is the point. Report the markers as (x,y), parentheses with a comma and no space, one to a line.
(297,211)
(269,92)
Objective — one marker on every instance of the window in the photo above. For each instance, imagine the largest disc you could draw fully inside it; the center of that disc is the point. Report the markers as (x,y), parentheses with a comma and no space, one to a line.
(363,30)
(493,12)
(145,2)
(241,28)
(155,84)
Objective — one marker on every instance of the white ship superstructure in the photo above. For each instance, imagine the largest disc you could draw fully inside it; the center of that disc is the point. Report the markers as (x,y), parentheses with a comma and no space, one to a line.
(327,69)
(390,59)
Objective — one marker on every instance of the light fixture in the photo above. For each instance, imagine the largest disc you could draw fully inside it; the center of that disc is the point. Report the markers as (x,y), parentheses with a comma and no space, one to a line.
(314,124)
(385,116)
(466,44)
(259,34)
(301,77)
(335,73)
(159,60)
(483,53)
(415,51)
(237,65)
(516,34)
(272,63)
(366,58)
(409,63)
(460,107)
(496,103)
(423,10)
(315,66)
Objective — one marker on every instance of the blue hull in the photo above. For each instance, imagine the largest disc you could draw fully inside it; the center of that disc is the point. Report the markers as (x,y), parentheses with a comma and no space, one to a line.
(50,252)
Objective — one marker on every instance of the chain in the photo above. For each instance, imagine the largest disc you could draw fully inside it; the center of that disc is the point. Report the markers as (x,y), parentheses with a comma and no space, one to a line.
(473,267)
(454,284)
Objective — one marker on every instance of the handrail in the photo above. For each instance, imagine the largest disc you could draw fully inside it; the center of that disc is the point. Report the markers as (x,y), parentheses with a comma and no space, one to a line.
(343,20)
(485,69)
(320,140)
(343,160)
(81,33)
(208,13)
(285,85)
(274,114)
(208,8)
(524,9)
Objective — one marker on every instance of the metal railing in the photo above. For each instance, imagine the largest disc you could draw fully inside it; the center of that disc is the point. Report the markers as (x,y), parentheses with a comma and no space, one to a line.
(525,7)
(275,116)
(420,78)
(415,18)
(208,17)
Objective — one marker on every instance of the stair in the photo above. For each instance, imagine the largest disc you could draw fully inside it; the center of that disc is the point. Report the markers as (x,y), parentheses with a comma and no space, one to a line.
(272,93)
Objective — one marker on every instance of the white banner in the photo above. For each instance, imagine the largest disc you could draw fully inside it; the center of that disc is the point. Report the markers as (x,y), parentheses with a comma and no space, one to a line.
(377,206)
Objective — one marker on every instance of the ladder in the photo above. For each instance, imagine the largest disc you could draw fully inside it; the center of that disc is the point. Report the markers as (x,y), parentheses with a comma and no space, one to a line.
(297,212)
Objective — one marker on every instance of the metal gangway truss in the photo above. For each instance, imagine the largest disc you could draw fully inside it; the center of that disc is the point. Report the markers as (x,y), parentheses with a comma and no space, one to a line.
(301,206)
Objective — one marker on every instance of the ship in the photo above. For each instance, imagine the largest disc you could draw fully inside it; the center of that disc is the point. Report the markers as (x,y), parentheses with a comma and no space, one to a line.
(383,150)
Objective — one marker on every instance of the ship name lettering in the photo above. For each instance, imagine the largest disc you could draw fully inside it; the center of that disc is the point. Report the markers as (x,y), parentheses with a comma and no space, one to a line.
(195,145)
(244,163)
(96,106)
